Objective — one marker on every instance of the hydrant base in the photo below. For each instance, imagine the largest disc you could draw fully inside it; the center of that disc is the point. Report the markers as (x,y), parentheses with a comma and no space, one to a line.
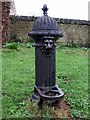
(51,94)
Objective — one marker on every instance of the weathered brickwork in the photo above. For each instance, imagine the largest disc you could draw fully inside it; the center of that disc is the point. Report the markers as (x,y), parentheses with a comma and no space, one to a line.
(7,7)
(4,11)
(75,31)
(0,25)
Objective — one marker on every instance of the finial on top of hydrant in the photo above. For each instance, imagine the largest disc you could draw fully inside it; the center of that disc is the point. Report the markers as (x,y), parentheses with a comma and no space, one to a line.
(45,9)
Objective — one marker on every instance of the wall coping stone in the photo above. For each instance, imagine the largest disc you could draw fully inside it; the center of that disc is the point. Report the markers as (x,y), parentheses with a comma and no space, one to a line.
(59,20)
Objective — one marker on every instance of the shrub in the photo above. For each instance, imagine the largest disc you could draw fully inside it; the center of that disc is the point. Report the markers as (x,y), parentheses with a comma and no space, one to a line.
(11,45)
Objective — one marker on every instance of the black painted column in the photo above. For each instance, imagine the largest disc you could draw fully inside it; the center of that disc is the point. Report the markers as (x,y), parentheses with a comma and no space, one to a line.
(45,70)
(45,32)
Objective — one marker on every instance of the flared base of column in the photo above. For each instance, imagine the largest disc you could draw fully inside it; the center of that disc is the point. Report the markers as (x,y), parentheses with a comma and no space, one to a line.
(49,94)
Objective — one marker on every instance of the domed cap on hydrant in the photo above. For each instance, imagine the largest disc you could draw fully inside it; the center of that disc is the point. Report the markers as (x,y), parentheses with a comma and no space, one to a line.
(45,26)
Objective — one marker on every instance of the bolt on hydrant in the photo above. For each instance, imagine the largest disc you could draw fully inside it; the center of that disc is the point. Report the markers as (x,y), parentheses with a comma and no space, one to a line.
(45,32)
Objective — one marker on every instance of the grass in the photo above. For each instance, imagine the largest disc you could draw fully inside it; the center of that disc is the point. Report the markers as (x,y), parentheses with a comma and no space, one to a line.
(18,80)
(73,79)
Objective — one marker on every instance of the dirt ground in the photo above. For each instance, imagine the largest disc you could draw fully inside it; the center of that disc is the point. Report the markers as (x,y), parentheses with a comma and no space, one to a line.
(62,110)
(59,109)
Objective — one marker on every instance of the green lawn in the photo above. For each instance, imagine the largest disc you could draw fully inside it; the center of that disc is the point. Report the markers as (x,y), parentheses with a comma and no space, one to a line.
(18,80)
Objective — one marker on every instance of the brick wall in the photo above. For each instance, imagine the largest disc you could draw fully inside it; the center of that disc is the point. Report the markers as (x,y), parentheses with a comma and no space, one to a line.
(0,24)
(4,12)
(75,31)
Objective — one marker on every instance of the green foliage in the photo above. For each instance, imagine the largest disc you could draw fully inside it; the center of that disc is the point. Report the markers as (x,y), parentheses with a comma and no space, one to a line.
(17,45)
(18,78)
(13,46)
(71,45)
(32,110)
(61,45)
(29,45)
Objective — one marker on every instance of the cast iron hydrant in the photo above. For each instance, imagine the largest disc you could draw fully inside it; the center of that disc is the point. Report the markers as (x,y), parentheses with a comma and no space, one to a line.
(45,32)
